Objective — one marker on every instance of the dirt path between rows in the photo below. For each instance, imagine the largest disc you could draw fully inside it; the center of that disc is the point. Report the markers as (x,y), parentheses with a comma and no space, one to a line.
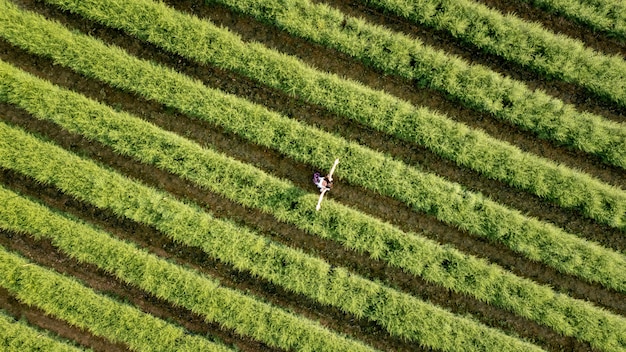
(570,220)
(570,93)
(559,24)
(44,253)
(38,318)
(284,233)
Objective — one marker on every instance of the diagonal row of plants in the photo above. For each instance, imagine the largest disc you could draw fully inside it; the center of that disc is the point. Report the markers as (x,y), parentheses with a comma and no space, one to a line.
(184,287)
(17,336)
(525,43)
(69,300)
(401,314)
(251,187)
(474,85)
(202,41)
(447,201)
(607,16)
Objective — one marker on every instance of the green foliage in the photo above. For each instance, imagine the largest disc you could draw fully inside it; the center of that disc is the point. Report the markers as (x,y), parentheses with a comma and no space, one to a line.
(253,188)
(525,43)
(474,85)
(607,16)
(69,300)
(183,287)
(196,39)
(282,265)
(17,336)
(423,192)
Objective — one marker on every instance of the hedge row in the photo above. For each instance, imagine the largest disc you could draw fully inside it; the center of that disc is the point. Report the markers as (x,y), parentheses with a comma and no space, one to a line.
(69,300)
(607,16)
(251,187)
(525,43)
(447,201)
(202,41)
(474,85)
(17,336)
(402,315)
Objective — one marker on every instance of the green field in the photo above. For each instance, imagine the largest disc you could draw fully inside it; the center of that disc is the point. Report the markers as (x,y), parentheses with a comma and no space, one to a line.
(156,162)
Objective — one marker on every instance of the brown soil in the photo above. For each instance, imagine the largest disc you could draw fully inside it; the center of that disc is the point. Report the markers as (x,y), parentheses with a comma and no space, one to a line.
(44,253)
(560,24)
(36,317)
(569,93)
(385,208)
(280,232)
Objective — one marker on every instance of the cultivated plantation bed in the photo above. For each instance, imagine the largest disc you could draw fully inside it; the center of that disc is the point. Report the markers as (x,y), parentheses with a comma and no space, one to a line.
(162,153)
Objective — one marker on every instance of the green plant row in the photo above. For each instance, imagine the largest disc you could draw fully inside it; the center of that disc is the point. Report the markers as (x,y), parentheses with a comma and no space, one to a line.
(607,16)
(401,314)
(447,201)
(207,43)
(17,336)
(476,86)
(528,44)
(251,187)
(183,287)
(69,300)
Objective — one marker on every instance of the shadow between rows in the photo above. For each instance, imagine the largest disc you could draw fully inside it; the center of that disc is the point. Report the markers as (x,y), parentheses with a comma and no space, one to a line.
(45,254)
(330,60)
(159,244)
(39,319)
(569,219)
(597,40)
(388,209)
(570,93)
(286,234)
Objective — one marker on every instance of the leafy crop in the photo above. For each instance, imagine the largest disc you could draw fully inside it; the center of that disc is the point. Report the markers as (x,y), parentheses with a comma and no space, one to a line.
(447,201)
(528,44)
(243,183)
(207,43)
(69,300)
(476,86)
(607,16)
(17,336)
(402,315)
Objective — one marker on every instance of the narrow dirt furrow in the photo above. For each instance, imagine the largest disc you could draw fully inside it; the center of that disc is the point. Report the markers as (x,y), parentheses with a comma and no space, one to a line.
(570,220)
(570,93)
(382,207)
(44,253)
(329,60)
(278,165)
(38,318)
(152,240)
(332,61)
(330,251)
(559,24)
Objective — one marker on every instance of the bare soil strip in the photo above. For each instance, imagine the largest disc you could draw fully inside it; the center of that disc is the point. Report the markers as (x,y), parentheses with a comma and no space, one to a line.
(44,253)
(276,164)
(411,154)
(560,24)
(288,235)
(568,92)
(159,244)
(328,60)
(38,318)
(385,208)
